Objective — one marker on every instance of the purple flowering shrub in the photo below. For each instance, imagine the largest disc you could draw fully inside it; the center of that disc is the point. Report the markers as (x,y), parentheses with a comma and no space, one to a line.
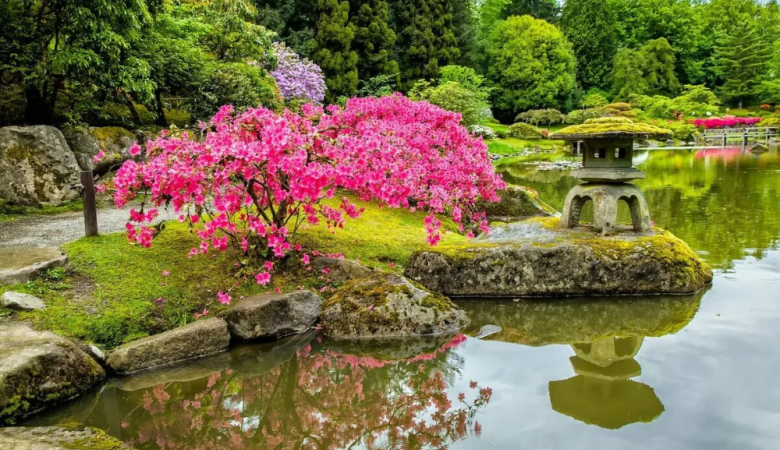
(298,78)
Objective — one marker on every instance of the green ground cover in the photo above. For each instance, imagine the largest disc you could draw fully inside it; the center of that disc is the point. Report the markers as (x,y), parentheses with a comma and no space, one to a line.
(115,292)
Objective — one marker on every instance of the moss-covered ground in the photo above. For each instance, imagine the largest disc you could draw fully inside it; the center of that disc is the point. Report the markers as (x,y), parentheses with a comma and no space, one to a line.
(115,292)
(10,213)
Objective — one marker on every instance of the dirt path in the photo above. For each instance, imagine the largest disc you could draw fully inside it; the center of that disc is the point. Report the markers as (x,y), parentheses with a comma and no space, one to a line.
(55,230)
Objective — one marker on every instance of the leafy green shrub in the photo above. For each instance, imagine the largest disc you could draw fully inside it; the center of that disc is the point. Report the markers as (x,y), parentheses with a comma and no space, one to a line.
(524,131)
(681,131)
(502,134)
(452,96)
(620,110)
(773,121)
(594,98)
(536,117)
(238,84)
(695,100)
(581,115)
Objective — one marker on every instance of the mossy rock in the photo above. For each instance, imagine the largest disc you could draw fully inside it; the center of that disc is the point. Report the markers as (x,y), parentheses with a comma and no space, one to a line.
(387,305)
(517,202)
(538,258)
(85,143)
(612,128)
(62,437)
(39,370)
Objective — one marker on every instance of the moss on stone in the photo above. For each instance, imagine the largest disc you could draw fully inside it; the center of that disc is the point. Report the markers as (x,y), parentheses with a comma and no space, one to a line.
(94,439)
(114,135)
(611,127)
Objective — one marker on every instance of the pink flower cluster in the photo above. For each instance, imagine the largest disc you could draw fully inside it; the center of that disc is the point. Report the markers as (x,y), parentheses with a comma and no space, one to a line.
(726,122)
(259,175)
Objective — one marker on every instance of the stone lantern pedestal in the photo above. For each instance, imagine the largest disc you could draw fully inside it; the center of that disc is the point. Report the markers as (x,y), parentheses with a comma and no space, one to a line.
(607,169)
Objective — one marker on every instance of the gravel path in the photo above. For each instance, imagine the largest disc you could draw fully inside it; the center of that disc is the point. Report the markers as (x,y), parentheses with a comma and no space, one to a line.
(55,230)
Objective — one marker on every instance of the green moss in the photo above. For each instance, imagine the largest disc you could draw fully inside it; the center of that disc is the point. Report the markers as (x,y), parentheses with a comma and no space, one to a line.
(115,135)
(97,439)
(612,126)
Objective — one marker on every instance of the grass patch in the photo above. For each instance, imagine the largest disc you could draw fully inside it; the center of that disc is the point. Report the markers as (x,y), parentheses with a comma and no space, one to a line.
(110,295)
(10,213)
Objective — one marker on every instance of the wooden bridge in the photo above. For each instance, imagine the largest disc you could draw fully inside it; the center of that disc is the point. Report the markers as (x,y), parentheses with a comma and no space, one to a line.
(727,136)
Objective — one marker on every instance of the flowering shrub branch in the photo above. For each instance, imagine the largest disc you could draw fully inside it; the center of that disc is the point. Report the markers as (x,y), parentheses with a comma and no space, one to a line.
(726,122)
(258,175)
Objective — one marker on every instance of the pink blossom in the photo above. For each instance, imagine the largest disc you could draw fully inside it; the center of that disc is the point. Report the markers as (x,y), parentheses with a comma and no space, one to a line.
(263,278)
(223,298)
(165,273)
(305,259)
(99,156)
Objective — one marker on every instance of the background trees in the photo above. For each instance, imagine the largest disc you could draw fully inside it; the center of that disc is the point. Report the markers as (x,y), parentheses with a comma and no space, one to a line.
(530,64)
(591,27)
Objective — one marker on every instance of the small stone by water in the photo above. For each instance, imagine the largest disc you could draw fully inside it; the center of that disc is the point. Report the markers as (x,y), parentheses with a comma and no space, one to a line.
(487,330)
(21,302)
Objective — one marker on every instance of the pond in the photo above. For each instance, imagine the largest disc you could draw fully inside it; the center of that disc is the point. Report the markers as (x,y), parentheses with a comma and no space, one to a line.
(652,373)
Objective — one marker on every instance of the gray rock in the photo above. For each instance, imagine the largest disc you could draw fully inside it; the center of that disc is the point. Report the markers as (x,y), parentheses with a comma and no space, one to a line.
(40,369)
(517,202)
(561,262)
(21,264)
(388,305)
(340,270)
(86,142)
(177,373)
(21,302)
(273,316)
(36,166)
(487,330)
(63,437)
(201,338)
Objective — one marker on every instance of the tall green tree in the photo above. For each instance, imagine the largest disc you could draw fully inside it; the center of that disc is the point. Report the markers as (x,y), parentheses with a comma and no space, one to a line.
(628,74)
(76,46)
(530,65)
(374,39)
(548,10)
(740,62)
(426,38)
(292,20)
(658,67)
(590,26)
(333,34)
(465,24)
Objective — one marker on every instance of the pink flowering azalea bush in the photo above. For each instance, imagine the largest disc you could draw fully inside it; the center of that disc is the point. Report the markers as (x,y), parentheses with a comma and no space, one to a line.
(257,176)
(726,122)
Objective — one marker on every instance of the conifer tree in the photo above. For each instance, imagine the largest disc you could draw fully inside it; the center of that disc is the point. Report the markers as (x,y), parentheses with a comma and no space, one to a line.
(426,38)
(659,64)
(374,39)
(740,62)
(590,26)
(333,34)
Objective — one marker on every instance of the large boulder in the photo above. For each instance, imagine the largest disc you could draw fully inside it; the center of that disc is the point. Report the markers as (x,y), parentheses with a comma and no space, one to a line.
(62,437)
(201,338)
(517,202)
(22,264)
(86,142)
(273,316)
(538,258)
(40,369)
(36,167)
(388,305)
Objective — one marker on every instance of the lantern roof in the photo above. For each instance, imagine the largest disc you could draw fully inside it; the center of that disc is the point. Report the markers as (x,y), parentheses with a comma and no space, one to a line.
(612,128)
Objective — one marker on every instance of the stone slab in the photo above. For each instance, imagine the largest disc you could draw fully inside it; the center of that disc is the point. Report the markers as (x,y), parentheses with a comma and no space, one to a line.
(197,339)
(22,264)
(21,302)
(273,316)
(65,437)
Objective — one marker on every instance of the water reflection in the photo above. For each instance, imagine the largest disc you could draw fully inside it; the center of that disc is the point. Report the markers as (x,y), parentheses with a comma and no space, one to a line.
(722,202)
(605,335)
(602,393)
(301,394)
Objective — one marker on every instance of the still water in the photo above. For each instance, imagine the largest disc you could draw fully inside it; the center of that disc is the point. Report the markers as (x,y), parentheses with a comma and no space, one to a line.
(694,372)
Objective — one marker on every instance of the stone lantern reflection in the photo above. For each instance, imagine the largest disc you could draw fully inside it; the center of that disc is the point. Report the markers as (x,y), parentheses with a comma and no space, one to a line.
(606,170)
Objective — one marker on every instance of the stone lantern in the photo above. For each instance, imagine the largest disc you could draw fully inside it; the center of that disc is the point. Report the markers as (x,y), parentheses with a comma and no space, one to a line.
(607,168)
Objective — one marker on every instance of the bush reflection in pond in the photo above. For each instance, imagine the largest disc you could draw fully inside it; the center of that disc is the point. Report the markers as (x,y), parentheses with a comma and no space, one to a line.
(319,398)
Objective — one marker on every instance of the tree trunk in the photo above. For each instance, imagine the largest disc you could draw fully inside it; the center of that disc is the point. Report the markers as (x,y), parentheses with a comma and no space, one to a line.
(161,120)
(36,110)
(131,107)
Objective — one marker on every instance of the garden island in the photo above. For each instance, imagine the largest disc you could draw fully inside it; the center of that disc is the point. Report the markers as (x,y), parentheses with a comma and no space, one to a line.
(388,224)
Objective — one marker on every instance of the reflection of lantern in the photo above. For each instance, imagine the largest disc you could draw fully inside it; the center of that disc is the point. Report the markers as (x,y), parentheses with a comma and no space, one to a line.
(607,168)
(602,393)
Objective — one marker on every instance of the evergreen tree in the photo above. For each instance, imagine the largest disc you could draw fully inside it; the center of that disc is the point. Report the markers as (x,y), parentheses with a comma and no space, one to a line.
(292,20)
(374,40)
(333,34)
(658,64)
(426,38)
(590,26)
(628,74)
(740,62)
(465,20)
(541,9)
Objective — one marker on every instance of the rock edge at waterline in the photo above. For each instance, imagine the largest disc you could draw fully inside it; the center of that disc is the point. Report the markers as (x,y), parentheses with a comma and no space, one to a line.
(536,258)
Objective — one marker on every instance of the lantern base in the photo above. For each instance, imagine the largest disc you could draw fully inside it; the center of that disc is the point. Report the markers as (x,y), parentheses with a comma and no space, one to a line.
(605,198)
(601,175)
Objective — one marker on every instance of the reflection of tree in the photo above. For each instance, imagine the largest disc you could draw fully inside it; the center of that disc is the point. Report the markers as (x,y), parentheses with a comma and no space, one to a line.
(719,203)
(319,399)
